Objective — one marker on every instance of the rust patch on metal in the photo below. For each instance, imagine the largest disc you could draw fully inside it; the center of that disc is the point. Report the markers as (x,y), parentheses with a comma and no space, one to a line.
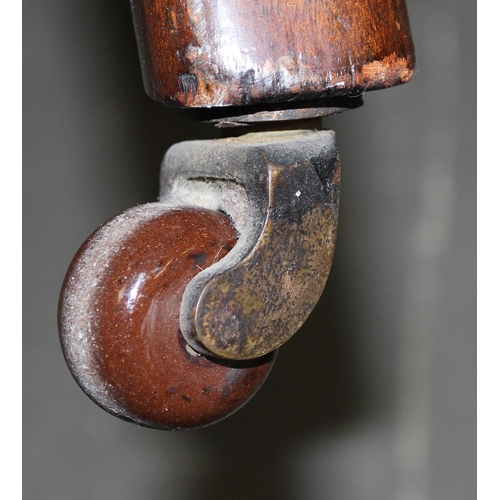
(268,298)
(259,295)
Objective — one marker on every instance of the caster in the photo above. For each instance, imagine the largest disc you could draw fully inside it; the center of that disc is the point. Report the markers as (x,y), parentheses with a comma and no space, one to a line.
(119,320)
(172,313)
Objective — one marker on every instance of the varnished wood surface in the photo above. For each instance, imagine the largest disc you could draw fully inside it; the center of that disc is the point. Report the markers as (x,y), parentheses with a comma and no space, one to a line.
(203,53)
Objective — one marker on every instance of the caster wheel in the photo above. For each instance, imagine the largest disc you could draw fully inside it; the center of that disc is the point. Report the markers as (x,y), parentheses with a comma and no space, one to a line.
(119,320)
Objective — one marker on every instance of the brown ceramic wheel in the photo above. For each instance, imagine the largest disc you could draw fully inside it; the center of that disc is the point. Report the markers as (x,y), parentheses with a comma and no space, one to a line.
(119,320)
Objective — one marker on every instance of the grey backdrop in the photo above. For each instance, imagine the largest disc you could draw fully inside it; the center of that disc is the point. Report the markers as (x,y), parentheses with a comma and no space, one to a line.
(374,398)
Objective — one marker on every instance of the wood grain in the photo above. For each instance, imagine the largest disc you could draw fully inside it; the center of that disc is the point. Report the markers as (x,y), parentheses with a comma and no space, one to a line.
(203,53)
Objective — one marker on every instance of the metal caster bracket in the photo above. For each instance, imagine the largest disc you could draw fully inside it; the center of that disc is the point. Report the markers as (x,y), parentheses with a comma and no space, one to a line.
(281,189)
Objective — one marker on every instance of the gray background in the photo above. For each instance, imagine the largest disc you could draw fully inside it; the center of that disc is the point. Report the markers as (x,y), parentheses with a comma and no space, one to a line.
(374,398)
